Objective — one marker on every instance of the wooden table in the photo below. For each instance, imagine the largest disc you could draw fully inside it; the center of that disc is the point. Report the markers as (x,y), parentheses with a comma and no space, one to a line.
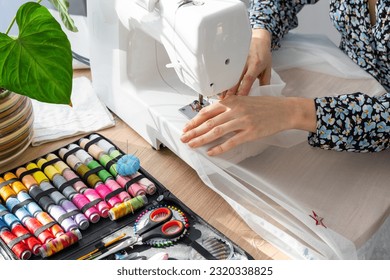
(180,179)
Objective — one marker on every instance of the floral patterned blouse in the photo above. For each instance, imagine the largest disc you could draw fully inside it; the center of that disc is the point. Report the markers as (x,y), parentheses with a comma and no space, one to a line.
(353,122)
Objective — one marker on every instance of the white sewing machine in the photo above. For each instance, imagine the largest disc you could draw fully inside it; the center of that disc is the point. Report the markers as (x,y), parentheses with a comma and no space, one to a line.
(149,58)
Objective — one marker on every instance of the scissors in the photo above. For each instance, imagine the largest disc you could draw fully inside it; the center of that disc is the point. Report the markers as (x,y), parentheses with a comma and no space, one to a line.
(159,224)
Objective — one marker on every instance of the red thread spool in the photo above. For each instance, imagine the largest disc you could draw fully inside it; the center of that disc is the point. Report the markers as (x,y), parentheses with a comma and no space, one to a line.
(33,225)
(19,249)
(32,243)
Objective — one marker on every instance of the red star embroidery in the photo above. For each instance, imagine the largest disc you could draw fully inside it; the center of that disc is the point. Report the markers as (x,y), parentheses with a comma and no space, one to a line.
(318,219)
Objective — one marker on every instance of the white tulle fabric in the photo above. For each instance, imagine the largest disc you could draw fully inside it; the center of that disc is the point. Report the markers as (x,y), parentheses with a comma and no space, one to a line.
(279,184)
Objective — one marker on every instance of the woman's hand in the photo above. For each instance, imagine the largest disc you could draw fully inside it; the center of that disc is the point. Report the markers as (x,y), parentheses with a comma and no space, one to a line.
(258,64)
(249,118)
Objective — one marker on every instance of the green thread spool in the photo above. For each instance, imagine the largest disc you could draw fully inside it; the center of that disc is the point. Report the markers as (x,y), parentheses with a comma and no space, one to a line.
(103,174)
(104,159)
(115,153)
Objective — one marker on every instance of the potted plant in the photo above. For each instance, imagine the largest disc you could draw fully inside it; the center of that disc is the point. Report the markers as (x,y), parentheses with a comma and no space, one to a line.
(35,64)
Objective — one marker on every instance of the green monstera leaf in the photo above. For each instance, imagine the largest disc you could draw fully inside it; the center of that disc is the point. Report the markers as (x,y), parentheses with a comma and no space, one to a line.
(63,6)
(38,63)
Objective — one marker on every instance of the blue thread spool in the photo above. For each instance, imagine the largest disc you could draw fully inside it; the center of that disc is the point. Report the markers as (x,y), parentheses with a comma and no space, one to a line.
(32,207)
(21,213)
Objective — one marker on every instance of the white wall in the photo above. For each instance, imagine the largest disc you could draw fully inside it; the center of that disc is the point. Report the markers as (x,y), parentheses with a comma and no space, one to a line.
(315,19)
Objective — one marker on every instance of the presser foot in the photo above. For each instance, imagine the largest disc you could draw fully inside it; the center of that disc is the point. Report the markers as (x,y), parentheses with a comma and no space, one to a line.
(192,109)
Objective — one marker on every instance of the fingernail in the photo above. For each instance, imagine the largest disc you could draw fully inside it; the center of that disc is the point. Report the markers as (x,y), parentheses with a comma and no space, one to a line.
(183,138)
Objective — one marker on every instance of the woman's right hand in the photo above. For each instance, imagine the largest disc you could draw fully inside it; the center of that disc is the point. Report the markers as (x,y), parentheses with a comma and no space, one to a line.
(258,64)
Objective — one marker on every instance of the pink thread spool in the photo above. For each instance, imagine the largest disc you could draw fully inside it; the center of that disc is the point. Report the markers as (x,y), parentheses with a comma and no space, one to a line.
(104,192)
(134,189)
(101,206)
(90,212)
(145,183)
(113,186)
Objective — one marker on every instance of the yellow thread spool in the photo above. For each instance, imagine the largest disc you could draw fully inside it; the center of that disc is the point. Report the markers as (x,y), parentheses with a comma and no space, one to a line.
(17,186)
(6,191)
(49,170)
(59,165)
(38,175)
(92,179)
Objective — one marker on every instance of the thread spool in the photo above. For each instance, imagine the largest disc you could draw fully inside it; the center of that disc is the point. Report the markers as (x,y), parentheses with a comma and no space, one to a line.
(27,180)
(37,228)
(92,179)
(130,186)
(5,190)
(46,219)
(105,193)
(13,205)
(60,215)
(15,184)
(79,219)
(38,175)
(127,207)
(63,186)
(19,248)
(103,174)
(107,147)
(44,201)
(99,154)
(9,218)
(114,186)
(49,170)
(32,243)
(145,183)
(86,207)
(58,164)
(32,207)
(78,185)
(101,206)
(82,155)
(58,244)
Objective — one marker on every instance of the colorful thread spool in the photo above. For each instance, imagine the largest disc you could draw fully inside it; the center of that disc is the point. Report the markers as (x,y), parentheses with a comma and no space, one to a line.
(14,243)
(17,208)
(87,207)
(127,207)
(48,221)
(31,206)
(106,194)
(145,183)
(58,244)
(67,173)
(26,179)
(130,186)
(101,206)
(15,184)
(9,218)
(32,243)
(103,174)
(41,231)
(107,147)
(5,190)
(99,154)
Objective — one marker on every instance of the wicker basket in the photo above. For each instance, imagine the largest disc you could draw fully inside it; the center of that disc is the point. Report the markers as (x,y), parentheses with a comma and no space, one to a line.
(16,120)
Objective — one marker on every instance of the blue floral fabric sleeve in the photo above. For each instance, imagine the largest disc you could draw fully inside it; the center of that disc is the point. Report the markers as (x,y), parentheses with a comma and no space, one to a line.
(353,122)
(276,16)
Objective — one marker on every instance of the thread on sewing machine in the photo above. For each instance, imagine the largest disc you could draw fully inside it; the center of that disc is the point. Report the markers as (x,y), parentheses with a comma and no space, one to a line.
(56,245)
(127,207)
